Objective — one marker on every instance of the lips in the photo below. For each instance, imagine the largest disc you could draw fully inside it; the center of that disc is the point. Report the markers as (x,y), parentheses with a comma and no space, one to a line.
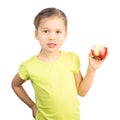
(51,45)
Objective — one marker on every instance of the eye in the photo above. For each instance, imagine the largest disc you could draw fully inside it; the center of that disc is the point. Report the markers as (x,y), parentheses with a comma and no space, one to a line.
(58,31)
(45,31)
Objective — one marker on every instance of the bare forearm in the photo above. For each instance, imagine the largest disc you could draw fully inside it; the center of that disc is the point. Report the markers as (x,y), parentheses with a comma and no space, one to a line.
(86,83)
(20,92)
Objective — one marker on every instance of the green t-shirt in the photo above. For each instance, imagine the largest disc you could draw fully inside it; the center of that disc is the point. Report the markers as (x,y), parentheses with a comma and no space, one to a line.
(54,86)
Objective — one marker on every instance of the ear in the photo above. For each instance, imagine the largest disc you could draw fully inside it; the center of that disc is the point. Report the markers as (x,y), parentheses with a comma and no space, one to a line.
(36,34)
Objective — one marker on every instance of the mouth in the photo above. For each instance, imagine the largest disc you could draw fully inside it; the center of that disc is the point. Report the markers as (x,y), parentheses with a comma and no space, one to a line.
(51,45)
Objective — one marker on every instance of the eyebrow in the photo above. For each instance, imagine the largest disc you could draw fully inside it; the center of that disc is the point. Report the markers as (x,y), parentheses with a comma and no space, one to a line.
(55,29)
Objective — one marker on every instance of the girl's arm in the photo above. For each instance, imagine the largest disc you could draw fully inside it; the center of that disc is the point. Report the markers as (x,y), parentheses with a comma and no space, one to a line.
(84,84)
(21,93)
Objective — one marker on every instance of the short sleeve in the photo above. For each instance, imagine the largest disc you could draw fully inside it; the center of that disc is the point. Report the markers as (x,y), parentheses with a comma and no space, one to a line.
(76,64)
(23,72)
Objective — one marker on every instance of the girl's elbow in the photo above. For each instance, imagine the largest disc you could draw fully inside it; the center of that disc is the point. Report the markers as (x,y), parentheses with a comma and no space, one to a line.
(82,93)
(13,85)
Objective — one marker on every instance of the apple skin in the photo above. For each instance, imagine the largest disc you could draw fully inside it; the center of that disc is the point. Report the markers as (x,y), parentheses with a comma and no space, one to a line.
(99,52)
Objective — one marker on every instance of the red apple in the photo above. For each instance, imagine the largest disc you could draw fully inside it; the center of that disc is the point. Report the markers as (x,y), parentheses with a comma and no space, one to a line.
(99,51)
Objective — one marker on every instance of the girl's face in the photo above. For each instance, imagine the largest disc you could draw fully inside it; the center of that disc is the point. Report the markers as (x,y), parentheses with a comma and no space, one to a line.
(51,33)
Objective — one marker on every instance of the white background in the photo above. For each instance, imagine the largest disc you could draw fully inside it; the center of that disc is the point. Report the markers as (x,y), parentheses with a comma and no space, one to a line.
(90,22)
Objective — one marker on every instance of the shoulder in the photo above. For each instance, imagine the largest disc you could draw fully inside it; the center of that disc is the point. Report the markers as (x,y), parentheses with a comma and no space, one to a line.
(70,55)
(24,68)
(71,59)
(30,60)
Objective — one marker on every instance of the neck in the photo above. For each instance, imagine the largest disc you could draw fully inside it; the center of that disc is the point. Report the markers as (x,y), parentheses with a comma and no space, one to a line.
(48,56)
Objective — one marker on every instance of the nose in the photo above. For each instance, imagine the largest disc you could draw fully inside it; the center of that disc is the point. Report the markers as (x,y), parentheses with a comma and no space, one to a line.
(52,36)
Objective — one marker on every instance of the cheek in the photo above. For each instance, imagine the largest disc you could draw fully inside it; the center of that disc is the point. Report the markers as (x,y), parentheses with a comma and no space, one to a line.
(62,40)
(42,37)
(61,43)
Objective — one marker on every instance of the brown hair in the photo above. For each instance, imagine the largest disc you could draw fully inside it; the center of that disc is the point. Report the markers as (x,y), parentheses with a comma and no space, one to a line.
(49,12)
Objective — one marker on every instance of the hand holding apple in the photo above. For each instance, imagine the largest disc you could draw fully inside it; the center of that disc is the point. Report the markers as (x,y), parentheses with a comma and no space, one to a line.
(99,51)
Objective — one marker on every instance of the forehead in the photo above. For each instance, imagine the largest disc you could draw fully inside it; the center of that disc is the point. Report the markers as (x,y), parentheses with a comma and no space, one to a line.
(54,21)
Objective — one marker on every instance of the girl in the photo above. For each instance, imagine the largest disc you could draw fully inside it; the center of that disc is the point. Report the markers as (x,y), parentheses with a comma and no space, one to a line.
(54,74)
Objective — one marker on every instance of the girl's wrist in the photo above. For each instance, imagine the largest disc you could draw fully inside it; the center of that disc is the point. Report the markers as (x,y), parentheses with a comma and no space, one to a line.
(90,69)
(33,105)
